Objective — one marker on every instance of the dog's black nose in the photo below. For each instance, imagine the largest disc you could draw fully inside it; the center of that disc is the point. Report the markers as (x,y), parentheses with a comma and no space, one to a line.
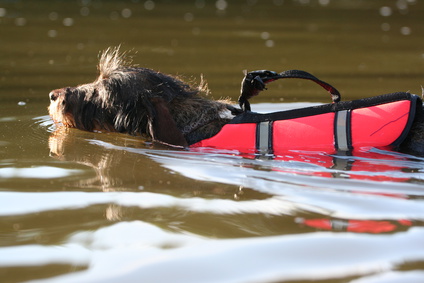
(54,95)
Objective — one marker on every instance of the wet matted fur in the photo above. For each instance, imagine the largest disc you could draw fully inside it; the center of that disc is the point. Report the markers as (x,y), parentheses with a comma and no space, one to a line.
(139,101)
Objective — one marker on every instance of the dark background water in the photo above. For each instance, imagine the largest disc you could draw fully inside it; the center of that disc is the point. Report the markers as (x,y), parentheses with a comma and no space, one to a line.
(364,48)
(71,200)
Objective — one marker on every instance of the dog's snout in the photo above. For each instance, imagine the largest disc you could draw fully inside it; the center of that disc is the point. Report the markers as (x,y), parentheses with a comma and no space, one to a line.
(54,94)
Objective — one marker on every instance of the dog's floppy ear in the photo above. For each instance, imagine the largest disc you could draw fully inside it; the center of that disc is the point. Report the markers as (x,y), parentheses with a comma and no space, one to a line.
(162,126)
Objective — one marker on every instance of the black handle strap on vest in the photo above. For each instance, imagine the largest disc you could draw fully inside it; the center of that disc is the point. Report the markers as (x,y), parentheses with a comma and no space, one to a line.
(255,81)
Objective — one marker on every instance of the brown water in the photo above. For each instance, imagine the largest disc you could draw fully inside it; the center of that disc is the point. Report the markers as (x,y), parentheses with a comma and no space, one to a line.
(96,207)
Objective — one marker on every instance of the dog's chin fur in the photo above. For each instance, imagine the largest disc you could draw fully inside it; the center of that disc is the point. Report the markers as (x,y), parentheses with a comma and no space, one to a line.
(139,101)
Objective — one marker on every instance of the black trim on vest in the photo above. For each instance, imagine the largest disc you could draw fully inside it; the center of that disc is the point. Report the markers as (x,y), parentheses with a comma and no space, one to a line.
(270,138)
(253,117)
(415,109)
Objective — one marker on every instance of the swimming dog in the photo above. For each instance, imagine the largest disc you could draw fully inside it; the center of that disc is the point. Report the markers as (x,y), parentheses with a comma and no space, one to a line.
(140,101)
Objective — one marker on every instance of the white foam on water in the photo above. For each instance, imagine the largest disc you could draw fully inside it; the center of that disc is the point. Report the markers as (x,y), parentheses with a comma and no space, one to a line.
(37,172)
(140,252)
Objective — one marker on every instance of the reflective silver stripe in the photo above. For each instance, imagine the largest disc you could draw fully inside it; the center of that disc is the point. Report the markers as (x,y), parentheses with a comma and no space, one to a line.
(263,137)
(341,130)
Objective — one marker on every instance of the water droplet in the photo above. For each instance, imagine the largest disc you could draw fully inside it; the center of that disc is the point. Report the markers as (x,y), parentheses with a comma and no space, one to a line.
(385,11)
(385,26)
(20,22)
(52,33)
(269,43)
(114,15)
(324,2)
(405,30)
(265,35)
(84,11)
(200,4)
(21,103)
(221,5)
(53,16)
(149,5)
(126,13)
(67,22)
(2,12)
(402,5)
(80,46)
(188,17)
(304,2)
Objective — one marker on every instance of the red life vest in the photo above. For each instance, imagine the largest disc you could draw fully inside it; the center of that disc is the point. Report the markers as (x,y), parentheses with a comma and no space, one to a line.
(358,226)
(371,122)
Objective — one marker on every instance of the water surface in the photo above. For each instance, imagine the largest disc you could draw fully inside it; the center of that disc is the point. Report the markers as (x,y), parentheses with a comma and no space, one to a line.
(102,207)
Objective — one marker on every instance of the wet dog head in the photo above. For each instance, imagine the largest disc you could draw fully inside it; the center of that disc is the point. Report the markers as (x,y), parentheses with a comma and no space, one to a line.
(123,99)
(73,107)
